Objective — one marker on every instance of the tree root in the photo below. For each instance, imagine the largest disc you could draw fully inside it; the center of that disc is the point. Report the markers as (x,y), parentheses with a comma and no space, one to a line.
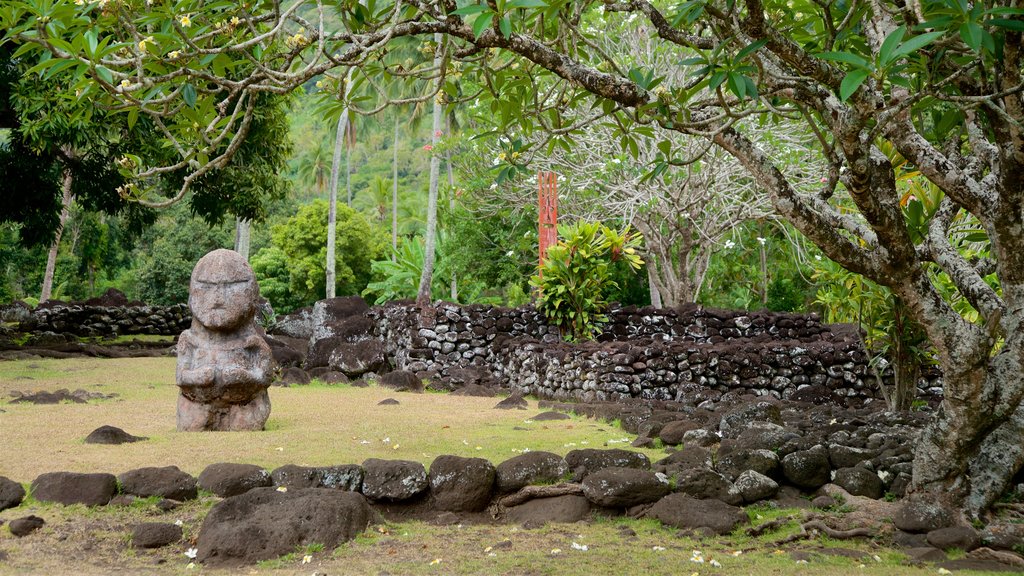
(756,531)
(814,525)
(533,492)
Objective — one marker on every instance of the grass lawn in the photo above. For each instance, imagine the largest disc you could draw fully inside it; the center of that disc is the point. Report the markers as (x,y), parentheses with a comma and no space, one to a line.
(324,425)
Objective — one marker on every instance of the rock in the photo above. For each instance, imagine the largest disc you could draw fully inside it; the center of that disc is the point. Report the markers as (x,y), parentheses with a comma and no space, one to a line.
(549,416)
(388,402)
(224,364)
(358,358)
(461,484)
(701,438)
(671,434)
(848,457)
(918,514)
(393,480)
(166,482)
(685,512)
(26,525)
(513,402)
(734,463)
(298,324)
(963,538)
(111,435)
(294,375)
(264,523)
(530,468)
(925,554)
(283,352)
(565,509)
(807,469)
(702,483)
(823,502)
(227,479)
(475,390)
(736,421)
(901,539)
(624,487)
(155,535)
(334,377)
(859,482)
(74,488)
(754,486)
(762,436)
(1008,560)
(344,477)
(584,462)
(688,457)
(11,493)
(402,381)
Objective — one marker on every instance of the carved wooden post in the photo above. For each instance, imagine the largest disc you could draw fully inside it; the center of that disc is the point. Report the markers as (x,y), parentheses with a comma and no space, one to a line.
(547,234)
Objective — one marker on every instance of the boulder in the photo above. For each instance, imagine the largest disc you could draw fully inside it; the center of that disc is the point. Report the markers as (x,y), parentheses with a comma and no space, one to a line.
(686,512)
(513,402)
(165,482)
(859,482)
(529,468)
(807,469)
(11,493)
(754,486)
(919,514)
(293,375)
(847,456)
(26,525)
(736,421)
(74,488)
(761,436)
(461,484)
(566,509)
(584,462)
(284,352)
(155,535)
(735,463)
(226,479)
(401,381)
(964,538)
(702,483)
(111,435)
(358,358)
(342,477)
(671,434)
(688,457)
(264,523)
(624,487)
(550,416)
(298,324)
(394,480)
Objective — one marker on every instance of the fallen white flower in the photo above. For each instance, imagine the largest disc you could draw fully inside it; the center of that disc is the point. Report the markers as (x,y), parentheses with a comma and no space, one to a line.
(192,553)
(581,547)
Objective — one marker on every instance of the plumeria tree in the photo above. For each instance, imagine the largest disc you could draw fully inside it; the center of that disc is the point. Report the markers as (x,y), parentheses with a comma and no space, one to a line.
(938,80)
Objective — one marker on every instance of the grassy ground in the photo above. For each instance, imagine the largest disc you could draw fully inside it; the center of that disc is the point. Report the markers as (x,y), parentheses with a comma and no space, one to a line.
(321,425)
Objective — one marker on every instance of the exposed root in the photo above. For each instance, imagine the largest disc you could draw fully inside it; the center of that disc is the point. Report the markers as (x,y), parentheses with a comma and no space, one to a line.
(814,526)
(533,492)
(756,531)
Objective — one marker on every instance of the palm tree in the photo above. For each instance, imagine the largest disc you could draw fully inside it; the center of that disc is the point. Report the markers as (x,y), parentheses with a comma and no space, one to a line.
(423,296)
(333,202)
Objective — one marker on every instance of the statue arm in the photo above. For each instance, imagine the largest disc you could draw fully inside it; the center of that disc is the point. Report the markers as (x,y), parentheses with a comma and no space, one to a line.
(188,374)
(257,367)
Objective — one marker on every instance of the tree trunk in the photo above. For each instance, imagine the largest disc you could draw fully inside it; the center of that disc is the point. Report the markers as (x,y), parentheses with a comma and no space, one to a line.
(339,141)
(652,285)
(423,295)
(348,160)
(451,197)
(394,195)
(243,228)
(51,258)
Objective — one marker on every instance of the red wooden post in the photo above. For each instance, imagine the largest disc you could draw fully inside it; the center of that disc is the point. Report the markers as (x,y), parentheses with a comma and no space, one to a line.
(547,197)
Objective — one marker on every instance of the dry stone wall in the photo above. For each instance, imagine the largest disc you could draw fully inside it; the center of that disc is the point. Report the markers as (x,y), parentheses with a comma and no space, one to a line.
(88,320)
(648,353)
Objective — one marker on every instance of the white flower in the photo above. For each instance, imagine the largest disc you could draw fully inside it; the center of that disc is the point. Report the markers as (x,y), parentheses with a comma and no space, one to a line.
(556,551)
(307,559)
(729,244)
(191,553)
(509,253)
(282,488)
(715,563)
(580,547)
(616,161)
(658,548)
(178,523)
(761,240)
(817,257)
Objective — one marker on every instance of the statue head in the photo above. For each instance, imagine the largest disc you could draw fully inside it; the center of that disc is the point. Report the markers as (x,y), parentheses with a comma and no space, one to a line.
(223,291)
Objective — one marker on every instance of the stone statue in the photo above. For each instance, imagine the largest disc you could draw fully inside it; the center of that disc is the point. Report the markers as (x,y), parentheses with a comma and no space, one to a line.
(224,364)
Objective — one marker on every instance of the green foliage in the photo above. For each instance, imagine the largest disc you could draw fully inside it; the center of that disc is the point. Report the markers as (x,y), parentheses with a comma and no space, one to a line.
(575,278)
(399,278)
(292,270)
(169,250)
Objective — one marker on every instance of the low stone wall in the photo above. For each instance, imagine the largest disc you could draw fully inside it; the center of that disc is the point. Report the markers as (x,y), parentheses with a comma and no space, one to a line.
(646,353)
(88,320)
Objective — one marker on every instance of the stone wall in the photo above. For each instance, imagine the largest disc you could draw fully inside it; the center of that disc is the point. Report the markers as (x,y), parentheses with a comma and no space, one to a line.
(647,353)
(89,320)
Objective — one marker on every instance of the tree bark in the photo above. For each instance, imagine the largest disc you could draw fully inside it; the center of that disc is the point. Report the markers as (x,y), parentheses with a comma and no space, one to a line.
(652,284)
(394,194)
(243,229)
(339,141)
(451,196)
(51,257)
(423,295)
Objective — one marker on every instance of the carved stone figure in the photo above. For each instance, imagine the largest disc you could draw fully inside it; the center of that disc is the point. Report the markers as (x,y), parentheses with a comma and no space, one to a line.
(224,364)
